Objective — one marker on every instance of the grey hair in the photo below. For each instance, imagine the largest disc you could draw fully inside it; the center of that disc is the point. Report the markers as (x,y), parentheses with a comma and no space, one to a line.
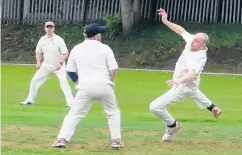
(206,37)
(85,35)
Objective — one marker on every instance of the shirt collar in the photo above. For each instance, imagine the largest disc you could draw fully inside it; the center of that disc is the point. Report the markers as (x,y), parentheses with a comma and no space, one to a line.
(50,37)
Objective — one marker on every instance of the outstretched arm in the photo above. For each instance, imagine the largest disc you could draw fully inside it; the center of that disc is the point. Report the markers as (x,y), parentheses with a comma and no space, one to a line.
(174,27)
(187,77)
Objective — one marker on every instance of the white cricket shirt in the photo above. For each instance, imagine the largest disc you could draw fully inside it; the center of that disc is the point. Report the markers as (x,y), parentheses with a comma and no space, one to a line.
(92,60)
(189,61)
(52,49)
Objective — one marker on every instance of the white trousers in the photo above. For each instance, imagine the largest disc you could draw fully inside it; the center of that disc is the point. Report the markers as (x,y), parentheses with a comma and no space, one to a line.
(82,103)
(42,75)
(159,106)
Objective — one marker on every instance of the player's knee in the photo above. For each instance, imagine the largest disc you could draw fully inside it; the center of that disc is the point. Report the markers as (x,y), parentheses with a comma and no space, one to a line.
(110,113)
(154,106)
(64,84)
(63,81)
(77,114)
(37,79)
(34,81)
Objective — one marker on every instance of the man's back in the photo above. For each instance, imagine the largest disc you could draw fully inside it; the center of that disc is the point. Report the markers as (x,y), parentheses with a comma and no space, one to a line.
(93,61)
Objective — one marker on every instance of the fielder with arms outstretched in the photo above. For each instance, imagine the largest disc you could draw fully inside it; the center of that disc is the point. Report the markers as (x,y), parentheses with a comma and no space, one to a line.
(96,67)
(185,82)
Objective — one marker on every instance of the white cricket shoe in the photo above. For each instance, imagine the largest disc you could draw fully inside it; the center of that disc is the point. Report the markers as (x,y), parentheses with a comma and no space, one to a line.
(170,132)
(26,103)
(59,143)
(117,144)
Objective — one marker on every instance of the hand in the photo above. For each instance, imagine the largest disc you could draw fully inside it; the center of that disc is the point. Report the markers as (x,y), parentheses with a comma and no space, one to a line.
(58,65)
(163,14)
(38,65)
(174,82)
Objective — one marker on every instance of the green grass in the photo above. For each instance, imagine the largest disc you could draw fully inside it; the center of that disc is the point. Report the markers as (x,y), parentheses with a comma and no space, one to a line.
(30,130)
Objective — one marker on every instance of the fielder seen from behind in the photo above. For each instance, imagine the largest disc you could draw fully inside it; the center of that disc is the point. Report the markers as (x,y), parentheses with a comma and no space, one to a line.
(55,53)
(185,82)
(95,64)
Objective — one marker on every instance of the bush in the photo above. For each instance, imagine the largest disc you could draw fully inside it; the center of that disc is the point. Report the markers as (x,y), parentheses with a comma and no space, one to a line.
(114,25)
(150,45)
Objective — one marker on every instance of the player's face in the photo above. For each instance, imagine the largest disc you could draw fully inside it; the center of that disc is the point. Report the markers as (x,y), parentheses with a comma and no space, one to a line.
(198,43)
(49,30)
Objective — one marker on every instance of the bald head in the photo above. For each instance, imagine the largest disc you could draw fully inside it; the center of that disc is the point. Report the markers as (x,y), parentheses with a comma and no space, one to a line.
(203,36)
(200,41)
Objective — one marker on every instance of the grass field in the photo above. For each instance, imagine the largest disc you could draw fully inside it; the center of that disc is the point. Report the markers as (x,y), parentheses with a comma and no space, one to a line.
(30,130)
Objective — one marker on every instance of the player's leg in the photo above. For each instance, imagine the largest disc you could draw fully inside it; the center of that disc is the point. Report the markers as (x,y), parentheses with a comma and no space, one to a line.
(38,79)
(65,87)
(159,108)
(108,100)
(79,109)
(204,102)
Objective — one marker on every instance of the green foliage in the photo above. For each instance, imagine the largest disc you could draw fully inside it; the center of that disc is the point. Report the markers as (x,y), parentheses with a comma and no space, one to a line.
(157,46)
(158,55)
(221,35)
(114,24)
(72,34)
(150,45)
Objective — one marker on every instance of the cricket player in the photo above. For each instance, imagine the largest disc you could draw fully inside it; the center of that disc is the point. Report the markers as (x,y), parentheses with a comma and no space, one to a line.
(185,82)
(55,53)
(96,66)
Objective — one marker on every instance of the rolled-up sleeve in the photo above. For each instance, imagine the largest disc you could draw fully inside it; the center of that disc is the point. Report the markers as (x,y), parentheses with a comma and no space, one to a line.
(63,47)
(187,37)
(38,47)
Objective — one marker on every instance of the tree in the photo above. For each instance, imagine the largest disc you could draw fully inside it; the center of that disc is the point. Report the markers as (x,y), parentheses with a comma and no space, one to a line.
(153,9)
(137,11)
(131,14)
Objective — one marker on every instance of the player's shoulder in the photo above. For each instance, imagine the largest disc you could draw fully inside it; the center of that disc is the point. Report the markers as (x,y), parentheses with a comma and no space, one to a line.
(57,37)
(77,47)
(42,38)
(106,48)
(187,34)
(95,43)
(105,45)
(188,37)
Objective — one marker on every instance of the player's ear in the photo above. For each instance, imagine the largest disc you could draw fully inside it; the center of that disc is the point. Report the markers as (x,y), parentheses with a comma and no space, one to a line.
(96,37)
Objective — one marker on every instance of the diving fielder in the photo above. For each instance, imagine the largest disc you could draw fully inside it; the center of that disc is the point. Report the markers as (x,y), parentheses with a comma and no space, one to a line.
(185,82)
(54,51)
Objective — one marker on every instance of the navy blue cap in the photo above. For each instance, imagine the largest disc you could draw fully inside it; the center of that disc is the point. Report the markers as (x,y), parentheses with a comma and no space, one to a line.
(92,29)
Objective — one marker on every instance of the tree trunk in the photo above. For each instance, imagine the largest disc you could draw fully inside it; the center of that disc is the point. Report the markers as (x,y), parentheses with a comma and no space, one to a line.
(23,11)
(127,15)
(153,10)
(137,11)
(86,4)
